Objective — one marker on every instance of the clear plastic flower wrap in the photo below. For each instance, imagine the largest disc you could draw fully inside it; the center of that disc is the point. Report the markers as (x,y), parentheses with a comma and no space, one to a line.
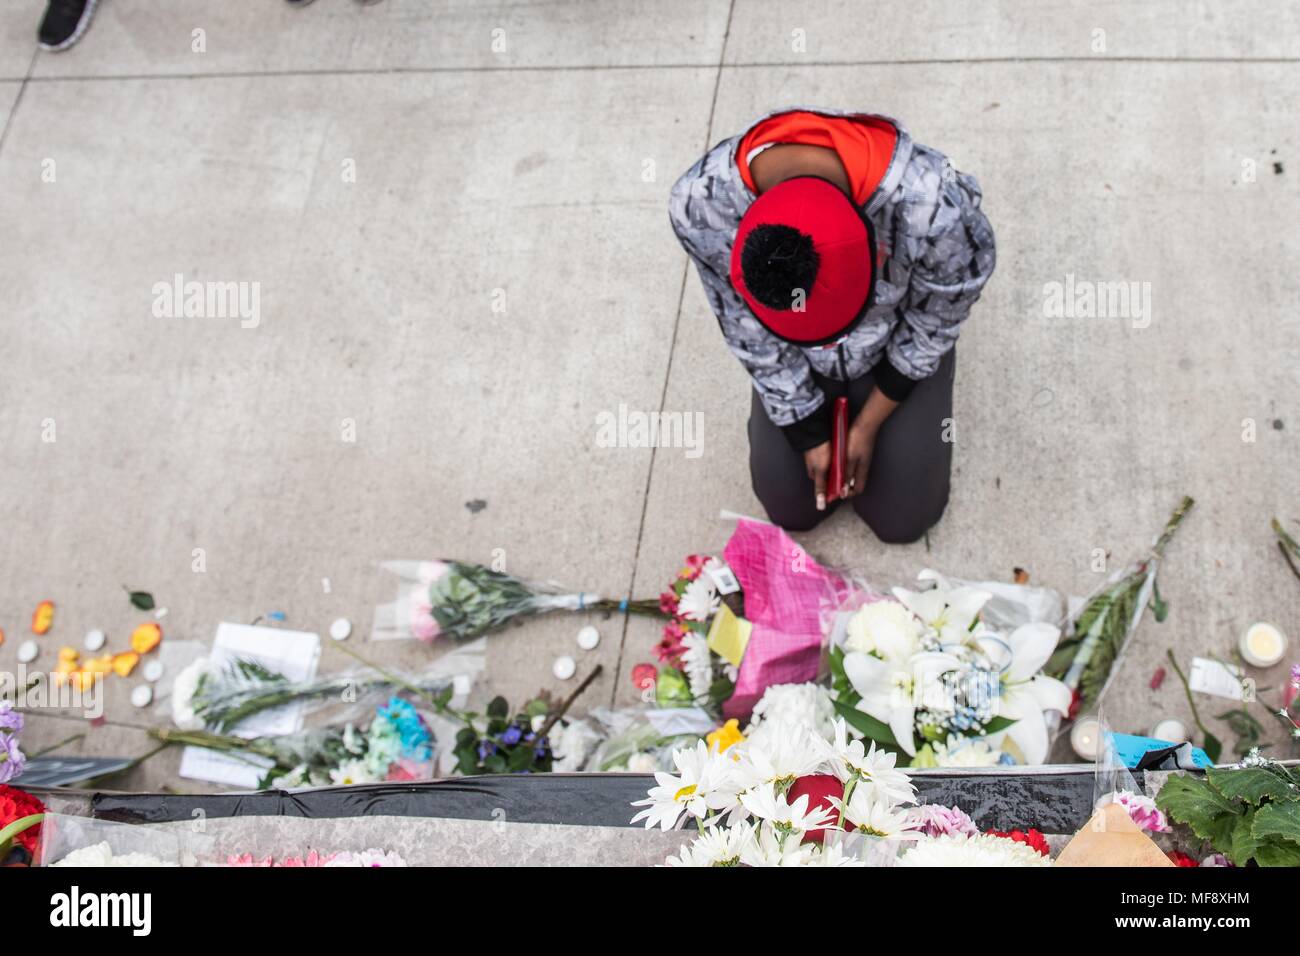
(642,739)
(68,840)
(462,600)
(220,697)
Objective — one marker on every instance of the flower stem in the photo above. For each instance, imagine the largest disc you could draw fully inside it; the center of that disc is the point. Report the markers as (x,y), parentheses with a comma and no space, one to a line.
(18,826)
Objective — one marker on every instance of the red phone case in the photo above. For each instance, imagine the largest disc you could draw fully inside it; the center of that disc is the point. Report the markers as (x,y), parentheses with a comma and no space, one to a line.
(839,449)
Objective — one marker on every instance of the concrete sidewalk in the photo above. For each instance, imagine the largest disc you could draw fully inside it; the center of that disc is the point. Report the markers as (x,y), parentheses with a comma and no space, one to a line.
(455,214)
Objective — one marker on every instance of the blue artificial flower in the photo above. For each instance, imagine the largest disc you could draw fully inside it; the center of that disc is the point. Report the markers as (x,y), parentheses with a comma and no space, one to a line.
(511,736)
(417,742)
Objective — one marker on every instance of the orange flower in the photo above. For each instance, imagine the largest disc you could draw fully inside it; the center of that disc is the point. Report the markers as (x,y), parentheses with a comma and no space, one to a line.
(43,617)
(145,638)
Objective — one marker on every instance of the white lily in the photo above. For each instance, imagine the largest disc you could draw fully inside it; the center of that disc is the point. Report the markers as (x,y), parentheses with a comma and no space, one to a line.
(889,689)
(948,612)
(1026,694)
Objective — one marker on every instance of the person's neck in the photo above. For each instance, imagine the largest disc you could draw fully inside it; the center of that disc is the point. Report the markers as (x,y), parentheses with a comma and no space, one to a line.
(783,161)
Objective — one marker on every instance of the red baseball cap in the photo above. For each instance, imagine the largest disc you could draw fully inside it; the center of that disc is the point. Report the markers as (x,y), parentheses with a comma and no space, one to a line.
(846,265)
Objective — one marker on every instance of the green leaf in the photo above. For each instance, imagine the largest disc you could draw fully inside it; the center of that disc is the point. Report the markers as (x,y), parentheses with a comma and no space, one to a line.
(1191,800)
(1212,747)
(1280,821)
(1278,854)
(998,724)
(1243,843)
(536,708)
(1158,606)
(498,707)
(1251,784)
(866,724)
(141,599)
(521,758)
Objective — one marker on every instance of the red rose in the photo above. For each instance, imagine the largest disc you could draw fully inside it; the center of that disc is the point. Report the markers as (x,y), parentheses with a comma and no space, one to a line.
(1030,838)
(14,805)
(818,788)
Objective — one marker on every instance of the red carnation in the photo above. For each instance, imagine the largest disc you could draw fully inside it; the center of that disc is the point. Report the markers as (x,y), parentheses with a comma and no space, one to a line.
(1181,859)
(14,805)
(1031,838)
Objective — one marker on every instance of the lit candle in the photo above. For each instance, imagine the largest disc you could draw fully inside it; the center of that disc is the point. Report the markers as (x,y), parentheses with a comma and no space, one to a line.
(1170,729)
(1263,645)
(1085,736)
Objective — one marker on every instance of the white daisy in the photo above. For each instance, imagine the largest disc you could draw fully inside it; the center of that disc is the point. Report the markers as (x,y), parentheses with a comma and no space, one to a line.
(765,803)
(833,855)
(779,755)
(350,772)
(702,784)
(868,811)
(716,846)
(772,848)
(850,759)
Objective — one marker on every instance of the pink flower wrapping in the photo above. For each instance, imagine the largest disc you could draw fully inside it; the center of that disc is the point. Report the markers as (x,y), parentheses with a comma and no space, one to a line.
(784,589)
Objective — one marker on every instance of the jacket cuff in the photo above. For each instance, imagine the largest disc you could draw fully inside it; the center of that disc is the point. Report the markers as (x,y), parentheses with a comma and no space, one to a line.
(811,431)
(892,383)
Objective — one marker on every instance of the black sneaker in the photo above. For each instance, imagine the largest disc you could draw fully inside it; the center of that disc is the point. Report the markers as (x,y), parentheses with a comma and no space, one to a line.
(64,23)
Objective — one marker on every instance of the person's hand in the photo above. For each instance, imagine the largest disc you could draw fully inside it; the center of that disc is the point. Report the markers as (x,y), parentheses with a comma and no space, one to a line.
(862,442)
(818,462)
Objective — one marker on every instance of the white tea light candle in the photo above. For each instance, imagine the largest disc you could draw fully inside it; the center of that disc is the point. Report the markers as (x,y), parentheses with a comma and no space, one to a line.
(1085,737)
(1263,645)
(1171,729)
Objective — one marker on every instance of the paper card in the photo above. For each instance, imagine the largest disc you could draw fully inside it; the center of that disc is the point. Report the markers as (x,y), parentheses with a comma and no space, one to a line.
(729,635)
(1217,678)
(724,579)
(294,654)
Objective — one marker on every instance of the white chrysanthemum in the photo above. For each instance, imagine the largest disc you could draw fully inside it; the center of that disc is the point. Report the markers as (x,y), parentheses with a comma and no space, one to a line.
(101,854)
(703,783)
(966,752)
(850,758)
(771,848)
(808,705)
(697,663)
(982,850)
(884,628)
(716,846)
(699,599)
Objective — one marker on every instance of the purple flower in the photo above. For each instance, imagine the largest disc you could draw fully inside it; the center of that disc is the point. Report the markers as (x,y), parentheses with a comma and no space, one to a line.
(10,719)
(511,736)
(934,820)
(12,760)
(486,748)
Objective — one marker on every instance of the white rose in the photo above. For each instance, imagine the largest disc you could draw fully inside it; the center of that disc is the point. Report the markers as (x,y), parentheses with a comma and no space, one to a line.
(884,628)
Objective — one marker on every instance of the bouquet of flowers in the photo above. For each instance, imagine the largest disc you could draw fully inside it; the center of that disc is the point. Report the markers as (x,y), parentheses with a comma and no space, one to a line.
(461,600)
(692,673)
(923,676)
(12,760)
(1086,660)
(786,795)
(397,745)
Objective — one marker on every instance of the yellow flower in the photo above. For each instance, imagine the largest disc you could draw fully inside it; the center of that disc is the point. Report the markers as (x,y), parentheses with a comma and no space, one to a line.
(726,735)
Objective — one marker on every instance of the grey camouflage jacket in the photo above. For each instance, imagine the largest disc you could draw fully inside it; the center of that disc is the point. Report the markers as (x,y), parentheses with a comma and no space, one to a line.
(935,253)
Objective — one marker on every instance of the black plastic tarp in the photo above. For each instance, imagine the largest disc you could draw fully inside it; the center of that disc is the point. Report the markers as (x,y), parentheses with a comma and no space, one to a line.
(1054,800)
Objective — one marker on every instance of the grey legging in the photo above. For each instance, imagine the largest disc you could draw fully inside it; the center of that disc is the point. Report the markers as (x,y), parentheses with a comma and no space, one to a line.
(907,485)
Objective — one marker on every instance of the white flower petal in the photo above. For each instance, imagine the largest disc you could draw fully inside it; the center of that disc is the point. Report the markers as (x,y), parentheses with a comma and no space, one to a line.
(1031,646)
